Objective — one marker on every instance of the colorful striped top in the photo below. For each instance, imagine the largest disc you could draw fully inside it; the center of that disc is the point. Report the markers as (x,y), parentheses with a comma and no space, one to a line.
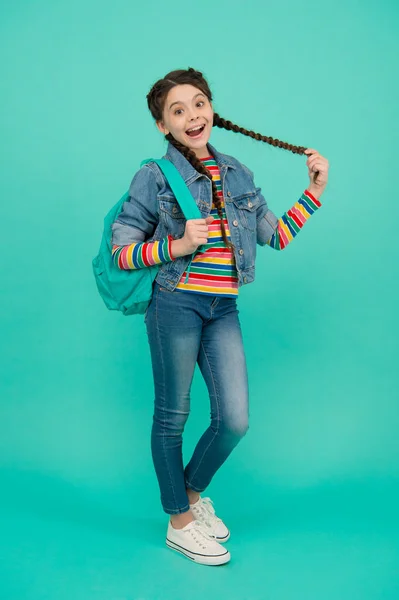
(293,220)
(143,254)
(212,271)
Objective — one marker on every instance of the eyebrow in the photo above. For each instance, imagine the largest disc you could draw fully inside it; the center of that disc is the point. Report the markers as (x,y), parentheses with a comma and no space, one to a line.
(180,102)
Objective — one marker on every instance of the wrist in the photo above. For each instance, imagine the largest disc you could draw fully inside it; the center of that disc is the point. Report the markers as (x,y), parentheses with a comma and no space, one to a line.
(316,192)
(178,248)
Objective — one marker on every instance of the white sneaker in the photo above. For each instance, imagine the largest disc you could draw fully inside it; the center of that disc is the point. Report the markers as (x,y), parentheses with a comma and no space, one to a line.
(194,541)
(203,511)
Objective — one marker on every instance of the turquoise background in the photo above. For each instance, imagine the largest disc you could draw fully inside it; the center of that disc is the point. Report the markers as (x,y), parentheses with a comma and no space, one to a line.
(311,492)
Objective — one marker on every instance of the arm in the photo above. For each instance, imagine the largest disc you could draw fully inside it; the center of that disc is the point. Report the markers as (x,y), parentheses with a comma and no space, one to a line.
(143,254)
(278,233)
(137,222)
(139,216)
(293,220)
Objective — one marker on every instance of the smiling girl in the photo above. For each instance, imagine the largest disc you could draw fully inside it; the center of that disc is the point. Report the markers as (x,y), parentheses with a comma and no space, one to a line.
(193,315)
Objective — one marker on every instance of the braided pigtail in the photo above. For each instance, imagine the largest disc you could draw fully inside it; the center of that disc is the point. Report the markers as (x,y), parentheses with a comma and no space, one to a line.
(156,101)
(224,124)
(201,168)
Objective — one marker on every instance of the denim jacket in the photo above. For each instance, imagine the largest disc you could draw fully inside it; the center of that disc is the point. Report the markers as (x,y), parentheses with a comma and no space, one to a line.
(152,212)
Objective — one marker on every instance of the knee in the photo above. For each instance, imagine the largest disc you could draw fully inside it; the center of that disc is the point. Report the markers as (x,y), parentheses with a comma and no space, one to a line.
(172,425)
(237,429)
(241,430)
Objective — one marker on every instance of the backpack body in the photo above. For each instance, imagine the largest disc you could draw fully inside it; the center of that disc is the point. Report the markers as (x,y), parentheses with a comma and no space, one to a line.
(130,290)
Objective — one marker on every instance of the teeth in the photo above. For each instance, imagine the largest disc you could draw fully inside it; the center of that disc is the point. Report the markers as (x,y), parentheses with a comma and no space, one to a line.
(195,128)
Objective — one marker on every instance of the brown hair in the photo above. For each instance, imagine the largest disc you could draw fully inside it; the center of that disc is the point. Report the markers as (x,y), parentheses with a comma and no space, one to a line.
(156,100)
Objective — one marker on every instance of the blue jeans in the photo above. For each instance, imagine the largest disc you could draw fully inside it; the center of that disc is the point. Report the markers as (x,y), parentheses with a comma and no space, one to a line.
(184,329)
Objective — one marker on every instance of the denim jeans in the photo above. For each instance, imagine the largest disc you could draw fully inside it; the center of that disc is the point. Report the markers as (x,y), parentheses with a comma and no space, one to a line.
(184,329)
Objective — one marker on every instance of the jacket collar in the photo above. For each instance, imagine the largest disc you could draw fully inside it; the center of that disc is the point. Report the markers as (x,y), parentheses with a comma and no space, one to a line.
(185,168)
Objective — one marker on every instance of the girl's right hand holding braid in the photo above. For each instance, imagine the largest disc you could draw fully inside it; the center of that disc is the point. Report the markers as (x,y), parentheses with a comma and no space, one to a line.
(195,234)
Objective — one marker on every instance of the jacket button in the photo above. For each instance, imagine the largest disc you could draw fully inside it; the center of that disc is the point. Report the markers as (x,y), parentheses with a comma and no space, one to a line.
(235,223)
(175,209)
(245,280)
(229,193)
(241,251)
(250,204)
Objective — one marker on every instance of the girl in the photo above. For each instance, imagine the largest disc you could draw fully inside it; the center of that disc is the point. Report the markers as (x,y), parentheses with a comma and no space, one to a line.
(193,314)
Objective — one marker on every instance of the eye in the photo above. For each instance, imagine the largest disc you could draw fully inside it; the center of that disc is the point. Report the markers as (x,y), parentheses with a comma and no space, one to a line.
(179,110)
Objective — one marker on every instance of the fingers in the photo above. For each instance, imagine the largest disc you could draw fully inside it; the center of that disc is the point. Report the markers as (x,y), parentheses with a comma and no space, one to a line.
(312,156)
(202,221)
(314,165)
(310,151)
(198,229)
(201,227)
(314,162)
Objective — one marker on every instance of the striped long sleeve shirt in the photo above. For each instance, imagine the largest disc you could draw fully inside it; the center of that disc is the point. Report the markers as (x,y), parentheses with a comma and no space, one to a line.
(293,220)
(213,271)
(143,254)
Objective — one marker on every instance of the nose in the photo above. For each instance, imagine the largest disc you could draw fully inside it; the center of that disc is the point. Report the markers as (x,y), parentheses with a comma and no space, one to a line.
(193,117)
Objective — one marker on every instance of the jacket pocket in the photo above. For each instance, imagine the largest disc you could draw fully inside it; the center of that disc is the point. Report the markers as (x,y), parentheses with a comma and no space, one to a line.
(172,216)
(245,208)
(170,206)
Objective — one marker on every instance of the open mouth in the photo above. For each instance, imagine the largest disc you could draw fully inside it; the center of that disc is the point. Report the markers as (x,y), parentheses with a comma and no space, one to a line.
(195,132)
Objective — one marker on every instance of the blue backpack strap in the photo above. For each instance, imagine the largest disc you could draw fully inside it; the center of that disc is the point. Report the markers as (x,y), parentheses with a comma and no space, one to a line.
(183,196)
(179,187)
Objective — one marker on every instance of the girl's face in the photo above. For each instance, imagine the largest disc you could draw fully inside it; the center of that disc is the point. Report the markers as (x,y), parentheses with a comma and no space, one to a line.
(186,107)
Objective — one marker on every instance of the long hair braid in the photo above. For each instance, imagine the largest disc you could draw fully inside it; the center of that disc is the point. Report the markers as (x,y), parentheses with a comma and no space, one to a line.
(201,168)
(224,124)
(156,100)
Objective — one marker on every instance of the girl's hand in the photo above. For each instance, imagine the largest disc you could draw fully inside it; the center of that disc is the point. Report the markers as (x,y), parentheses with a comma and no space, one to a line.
(317,170)
(195,234)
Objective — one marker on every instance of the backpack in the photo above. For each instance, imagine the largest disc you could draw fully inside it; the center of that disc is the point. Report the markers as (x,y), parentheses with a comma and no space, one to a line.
(130,291)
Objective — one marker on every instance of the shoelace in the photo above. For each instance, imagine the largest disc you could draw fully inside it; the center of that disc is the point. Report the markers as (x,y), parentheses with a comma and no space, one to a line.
(201,527)
(205,509)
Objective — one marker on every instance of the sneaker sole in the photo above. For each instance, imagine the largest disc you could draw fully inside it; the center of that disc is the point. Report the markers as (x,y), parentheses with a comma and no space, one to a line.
(222,540)
(203,559)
